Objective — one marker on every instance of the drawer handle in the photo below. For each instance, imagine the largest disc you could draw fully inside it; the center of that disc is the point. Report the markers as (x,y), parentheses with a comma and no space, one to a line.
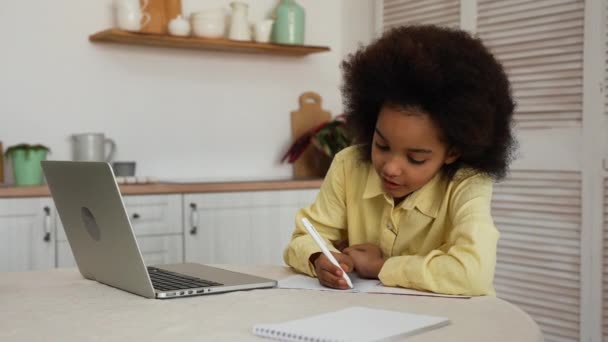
(46,226)
(135,216)
(193,219)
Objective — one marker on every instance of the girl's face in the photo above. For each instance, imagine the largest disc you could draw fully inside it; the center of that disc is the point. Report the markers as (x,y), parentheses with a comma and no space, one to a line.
(407,150)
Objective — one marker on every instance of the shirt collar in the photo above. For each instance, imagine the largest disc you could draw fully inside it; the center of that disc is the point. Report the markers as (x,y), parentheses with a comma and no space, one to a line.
(426,199)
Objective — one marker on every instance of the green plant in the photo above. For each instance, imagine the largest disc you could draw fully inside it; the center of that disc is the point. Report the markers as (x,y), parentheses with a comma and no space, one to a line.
(25,147)
(329,138)
(26,159)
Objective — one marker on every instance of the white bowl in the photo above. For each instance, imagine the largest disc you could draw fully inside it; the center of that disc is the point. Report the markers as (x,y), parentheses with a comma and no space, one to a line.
(209,28)
(210,13)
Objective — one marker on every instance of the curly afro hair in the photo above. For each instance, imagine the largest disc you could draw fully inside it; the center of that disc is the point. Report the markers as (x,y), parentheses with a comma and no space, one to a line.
(447,74)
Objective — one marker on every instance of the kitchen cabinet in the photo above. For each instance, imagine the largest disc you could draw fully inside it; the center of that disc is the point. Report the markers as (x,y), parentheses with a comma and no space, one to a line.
(27,234)
(241,227)
(247,222)
(157,223)
(225,45)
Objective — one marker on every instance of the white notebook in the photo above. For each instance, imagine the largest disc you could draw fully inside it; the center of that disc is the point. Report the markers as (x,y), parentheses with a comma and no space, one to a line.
(351,324)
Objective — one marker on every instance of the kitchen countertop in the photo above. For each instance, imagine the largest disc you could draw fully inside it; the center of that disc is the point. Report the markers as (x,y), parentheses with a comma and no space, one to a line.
(165,187)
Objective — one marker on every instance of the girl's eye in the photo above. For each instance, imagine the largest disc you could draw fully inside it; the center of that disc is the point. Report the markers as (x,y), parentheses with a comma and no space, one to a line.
(382,147)
(415,162)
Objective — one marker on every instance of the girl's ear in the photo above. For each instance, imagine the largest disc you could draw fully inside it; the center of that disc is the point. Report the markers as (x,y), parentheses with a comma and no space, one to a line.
(453,155)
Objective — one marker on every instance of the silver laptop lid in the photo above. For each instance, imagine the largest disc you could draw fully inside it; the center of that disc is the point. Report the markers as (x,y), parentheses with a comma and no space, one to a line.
(97,225)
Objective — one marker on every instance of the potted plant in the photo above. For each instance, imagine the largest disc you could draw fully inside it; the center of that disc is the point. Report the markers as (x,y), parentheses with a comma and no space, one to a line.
(328,139)
(26,159)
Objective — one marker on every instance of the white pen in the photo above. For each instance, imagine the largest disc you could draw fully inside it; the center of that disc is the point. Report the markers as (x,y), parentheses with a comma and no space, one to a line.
(315,236)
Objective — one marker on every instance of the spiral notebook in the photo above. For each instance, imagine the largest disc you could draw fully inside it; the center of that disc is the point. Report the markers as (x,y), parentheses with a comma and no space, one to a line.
(351,324)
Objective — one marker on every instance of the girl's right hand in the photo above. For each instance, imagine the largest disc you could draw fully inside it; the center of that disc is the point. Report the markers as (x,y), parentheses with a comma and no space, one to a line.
(329,274)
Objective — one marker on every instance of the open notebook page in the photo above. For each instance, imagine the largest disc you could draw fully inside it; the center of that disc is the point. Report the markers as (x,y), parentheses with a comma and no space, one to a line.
(300,281)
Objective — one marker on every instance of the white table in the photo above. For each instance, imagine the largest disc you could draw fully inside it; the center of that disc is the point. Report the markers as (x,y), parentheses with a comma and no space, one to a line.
(60,305)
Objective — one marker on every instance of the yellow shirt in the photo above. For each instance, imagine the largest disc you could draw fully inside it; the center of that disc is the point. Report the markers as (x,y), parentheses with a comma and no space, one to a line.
(441,238)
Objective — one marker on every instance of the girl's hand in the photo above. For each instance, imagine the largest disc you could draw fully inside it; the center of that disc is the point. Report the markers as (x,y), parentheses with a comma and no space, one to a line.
(367,259)
(329,274)
(341,244)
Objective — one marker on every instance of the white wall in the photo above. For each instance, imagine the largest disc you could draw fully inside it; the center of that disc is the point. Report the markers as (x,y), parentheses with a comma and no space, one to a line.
(178,113)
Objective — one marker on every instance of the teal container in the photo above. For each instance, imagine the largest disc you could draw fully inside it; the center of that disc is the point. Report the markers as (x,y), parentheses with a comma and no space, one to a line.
(26,166)
(289,25)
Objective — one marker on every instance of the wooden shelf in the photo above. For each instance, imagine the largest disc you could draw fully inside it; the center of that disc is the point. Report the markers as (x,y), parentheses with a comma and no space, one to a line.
(178,188)
(132,38)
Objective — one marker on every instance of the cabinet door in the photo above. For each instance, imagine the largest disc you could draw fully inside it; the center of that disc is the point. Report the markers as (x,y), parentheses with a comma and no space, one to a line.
(27,234)
(156,250)
(157,223)
(241,227)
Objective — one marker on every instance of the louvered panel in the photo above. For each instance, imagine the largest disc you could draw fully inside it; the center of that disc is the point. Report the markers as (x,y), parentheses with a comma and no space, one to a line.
(563,53)
(606,62)
(524,198)
(517,275)
(407,12)
(562,262)
(515,246)
(565,218)
(443,9)
(564,304)
(564,267)
(539,47)
(531,182)
(540,92)
(528,9)
(540,44)
(544,20)
(536,207)
(562,121)
(530,238)
(533,188)
(534,34)
(563,79)
(523,86)
(605,259)
(538,214)
(542,225)
(541,228)
(534,286)
(555,67)
(534,177)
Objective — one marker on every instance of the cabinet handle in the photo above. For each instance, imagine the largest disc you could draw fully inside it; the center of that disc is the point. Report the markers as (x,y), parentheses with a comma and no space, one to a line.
(193,219)
(47,224)
(135,216)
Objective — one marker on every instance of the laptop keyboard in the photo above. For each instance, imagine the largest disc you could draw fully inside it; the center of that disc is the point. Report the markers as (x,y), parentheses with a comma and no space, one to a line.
(164,280)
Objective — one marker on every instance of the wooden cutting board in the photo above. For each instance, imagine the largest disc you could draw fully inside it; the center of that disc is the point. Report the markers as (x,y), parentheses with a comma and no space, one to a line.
(161,12)
(309,115)
(1,164)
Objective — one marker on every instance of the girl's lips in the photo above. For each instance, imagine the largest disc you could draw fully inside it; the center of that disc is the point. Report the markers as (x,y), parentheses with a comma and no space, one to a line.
(389,185)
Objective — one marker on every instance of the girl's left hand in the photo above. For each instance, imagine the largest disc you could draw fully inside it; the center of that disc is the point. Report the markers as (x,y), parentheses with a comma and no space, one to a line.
(367,258)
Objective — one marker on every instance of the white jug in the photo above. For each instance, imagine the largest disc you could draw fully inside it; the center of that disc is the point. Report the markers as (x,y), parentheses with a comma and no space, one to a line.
(92,147)
(239,23)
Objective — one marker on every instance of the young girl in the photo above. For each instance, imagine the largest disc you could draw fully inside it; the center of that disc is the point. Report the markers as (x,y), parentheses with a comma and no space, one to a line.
(430,110)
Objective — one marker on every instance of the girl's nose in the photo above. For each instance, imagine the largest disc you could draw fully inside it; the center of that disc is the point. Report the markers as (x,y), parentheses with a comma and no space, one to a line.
(391,168)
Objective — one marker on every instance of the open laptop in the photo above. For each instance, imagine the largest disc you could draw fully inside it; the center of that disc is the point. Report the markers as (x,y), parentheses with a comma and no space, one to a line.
(98,229)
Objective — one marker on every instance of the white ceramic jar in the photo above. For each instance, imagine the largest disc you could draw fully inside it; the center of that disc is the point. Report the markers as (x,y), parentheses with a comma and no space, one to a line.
(179,26)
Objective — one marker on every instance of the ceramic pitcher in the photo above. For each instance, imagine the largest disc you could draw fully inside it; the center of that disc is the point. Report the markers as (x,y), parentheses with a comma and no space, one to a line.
(239,22)
(92,147)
